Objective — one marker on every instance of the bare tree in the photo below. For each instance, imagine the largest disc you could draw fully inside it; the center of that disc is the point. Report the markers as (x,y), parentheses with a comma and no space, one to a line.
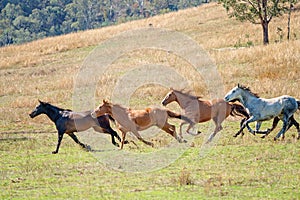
(290,9)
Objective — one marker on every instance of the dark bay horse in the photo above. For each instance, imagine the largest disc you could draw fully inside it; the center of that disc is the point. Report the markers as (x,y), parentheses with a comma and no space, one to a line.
(138,120)
(67,121)
(261,109)
(199,110)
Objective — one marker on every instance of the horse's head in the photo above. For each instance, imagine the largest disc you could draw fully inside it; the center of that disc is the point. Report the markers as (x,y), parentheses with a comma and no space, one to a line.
(234,94)
(39,109)
(106,107)
(170,97)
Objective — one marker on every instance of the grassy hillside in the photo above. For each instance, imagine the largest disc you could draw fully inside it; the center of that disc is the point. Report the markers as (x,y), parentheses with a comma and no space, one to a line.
(235,168)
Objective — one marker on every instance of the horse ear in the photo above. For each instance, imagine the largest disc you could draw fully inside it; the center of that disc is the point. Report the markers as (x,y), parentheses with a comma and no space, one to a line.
(41,102)
(171,88)
(239,85)
(105,101)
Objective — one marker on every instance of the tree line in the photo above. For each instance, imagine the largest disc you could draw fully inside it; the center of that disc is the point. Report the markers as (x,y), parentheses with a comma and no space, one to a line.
(28,20)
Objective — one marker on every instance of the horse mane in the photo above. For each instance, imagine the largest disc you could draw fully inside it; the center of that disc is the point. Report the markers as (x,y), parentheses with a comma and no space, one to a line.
(60,109)
(187,94)
(148,110)
(120,106)
(248,90)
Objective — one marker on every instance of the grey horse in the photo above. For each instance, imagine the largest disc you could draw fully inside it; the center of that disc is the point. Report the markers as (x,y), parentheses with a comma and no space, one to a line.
(260,109)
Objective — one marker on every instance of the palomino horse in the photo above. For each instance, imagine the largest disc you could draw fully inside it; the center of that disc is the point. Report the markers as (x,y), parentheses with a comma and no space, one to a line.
(138,120)
(203,110)
(69,122)
(279,108)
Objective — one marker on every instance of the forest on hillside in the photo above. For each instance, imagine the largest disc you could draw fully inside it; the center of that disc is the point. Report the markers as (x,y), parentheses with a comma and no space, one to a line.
(28,20)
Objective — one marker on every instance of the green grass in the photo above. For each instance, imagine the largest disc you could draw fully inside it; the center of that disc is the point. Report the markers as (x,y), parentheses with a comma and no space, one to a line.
(235,168)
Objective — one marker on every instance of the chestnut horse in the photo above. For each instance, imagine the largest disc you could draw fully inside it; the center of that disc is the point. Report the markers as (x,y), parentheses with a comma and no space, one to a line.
(138,120)
(203,110)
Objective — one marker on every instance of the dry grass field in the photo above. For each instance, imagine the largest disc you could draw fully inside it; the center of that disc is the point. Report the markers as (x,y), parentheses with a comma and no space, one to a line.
(46,69)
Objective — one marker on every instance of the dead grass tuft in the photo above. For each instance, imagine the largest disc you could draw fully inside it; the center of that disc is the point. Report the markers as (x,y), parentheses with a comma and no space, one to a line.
(185,177)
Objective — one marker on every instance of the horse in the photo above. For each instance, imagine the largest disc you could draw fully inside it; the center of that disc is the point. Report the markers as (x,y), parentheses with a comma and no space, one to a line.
(67,121)
(261,109)
(139,120)
(199,110)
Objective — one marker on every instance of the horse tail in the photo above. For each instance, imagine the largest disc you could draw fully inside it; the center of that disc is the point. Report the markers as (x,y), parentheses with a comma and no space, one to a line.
(179,116)
(111,118)
(298,102)
(239,110)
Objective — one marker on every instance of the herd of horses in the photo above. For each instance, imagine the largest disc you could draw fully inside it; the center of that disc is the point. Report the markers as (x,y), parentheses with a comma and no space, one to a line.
(240,101)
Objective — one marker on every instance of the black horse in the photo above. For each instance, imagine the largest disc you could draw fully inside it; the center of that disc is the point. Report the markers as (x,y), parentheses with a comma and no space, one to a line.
(67,121)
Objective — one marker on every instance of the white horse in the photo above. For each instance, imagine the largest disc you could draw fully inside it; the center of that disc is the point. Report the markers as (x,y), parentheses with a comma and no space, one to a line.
(261,109)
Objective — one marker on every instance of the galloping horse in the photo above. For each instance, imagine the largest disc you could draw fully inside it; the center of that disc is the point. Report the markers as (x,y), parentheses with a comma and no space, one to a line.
(203,110)
(138,120)
(279,108)
(67,121)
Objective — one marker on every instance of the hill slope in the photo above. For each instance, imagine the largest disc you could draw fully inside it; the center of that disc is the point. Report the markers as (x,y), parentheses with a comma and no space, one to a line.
(230,168)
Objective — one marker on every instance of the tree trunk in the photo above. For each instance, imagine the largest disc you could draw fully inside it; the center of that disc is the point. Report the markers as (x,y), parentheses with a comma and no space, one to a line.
(289,21)
(265,26)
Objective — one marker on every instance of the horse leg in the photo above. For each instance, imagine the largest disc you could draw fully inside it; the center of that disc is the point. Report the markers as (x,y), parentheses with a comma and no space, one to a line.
(251,119)
(136,133)
(213,135)
(241,130)
(60,137)
(217,129)
(73,136)
(172,131)
(190,127)
(296,124)
(245,124)
(111,132)
(284,127)
(123,138)
(274,125)
(181,127)
(289,124)
(257,126)
(115,134)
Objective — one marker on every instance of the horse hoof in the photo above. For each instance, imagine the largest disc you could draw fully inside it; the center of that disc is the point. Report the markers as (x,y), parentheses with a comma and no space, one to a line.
(208,141)
(54,152)
(126,142)
(88,147)
(235,136)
